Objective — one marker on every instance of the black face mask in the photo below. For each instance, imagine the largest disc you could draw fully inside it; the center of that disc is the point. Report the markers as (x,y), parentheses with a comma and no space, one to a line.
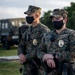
(29,19)
(58,24)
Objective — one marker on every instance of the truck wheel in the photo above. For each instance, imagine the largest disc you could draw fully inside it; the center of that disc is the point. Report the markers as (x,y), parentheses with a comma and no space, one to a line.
(5,44)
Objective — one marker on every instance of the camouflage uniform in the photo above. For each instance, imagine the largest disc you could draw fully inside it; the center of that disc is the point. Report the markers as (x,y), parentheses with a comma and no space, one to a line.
(61,45)
(22,29)
(30,42)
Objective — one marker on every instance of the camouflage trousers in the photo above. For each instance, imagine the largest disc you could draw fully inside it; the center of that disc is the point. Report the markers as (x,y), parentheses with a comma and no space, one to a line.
(27,70)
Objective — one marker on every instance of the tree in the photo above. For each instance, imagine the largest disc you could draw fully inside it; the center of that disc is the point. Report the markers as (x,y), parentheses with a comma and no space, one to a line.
(46,19)
(71,15)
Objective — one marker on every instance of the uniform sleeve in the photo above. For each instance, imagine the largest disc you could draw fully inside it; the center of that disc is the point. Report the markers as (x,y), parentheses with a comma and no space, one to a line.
(41,49)
(21,46)
(46,29)
(72,45)
(68,55)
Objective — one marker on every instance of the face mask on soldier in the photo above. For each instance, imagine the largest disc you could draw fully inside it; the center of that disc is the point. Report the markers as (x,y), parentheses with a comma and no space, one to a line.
(58,24)
(29,19)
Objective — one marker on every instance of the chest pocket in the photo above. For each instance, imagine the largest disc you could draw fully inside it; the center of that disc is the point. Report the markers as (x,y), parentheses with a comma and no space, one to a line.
(36,36)
(63,42)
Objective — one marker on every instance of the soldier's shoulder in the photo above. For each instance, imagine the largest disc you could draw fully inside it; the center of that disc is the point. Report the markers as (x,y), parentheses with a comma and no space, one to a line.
(47,34)
(44,27)
(70,31)
(27,31)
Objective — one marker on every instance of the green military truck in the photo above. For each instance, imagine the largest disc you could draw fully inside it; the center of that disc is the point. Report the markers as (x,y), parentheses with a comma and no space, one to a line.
(9,34)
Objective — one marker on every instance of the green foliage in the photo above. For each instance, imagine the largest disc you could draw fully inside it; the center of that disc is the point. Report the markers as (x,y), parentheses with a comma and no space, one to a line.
(70,9)
(71,22)
(71,15)
(46,19)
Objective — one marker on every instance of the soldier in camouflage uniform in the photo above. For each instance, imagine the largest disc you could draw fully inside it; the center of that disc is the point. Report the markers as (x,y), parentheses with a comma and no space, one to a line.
(31,40)
(59,43)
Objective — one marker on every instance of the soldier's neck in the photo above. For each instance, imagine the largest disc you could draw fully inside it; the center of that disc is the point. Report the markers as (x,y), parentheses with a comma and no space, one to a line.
(35,23)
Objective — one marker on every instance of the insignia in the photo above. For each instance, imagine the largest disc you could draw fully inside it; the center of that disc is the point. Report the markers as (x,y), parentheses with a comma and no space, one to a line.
(35,41)
(61,43)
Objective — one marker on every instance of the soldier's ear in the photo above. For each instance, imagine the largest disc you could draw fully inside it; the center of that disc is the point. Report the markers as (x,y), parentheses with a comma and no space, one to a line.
(66,19)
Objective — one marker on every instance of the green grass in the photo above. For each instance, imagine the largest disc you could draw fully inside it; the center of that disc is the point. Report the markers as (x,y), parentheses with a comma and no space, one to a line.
(8,52)
(9,68)
(11,52)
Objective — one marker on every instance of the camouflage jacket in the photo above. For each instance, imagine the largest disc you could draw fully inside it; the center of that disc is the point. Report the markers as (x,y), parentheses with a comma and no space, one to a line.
(61,45)
(31,40)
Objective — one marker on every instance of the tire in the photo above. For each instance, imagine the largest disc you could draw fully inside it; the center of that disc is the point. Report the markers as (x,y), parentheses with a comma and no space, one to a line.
(5,44)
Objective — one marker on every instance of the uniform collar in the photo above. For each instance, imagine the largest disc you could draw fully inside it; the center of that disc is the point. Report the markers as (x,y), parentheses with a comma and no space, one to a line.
(63,31)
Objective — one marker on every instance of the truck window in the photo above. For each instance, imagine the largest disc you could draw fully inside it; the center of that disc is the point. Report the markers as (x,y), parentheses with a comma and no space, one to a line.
(6,25)
(2,25)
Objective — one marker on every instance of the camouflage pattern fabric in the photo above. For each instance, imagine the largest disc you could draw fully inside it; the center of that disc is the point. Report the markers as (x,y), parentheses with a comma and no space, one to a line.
(58,13)
(33,9)
(31,40)
(62,45)
(22,29)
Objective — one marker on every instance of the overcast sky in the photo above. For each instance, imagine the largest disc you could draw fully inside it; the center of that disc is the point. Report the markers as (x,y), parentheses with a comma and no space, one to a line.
(16,8)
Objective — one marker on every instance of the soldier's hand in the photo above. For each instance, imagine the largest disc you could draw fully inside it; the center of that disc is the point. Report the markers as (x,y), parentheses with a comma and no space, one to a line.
(51,63)
(47,56)
(22,58)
